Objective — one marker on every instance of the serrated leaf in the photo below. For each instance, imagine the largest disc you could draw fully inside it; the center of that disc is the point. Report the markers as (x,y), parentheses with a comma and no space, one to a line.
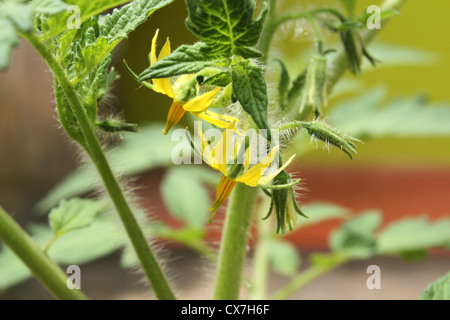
(413,234)
(57,23)
(21,14)
(439,290)
(283,85)
(221,79)
(114,29)
(249,87)
(49,6)
(77,247)
(146,150)
(186,59)
(283,257)
(87,244)
(8,40)
(226,26)
(179,188)
(368,116)
(74,214)
(66,116)
(356,237)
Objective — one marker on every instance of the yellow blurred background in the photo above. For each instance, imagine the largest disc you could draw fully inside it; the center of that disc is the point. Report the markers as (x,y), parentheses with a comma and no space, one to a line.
(421,25)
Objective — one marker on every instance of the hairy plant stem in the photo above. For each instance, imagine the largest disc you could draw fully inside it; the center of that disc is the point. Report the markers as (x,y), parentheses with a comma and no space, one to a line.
(46,271)
(339,63)
(233,247)
(148,261)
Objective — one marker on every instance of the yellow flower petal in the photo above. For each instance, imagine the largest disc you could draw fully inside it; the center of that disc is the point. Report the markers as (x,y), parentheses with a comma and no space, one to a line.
(163,86)
(165,51)
(176,112)
(252,176)
(226,185)
(183,78)
(202,102)
(216,119)
(153,59)
(266,179)
(160,85)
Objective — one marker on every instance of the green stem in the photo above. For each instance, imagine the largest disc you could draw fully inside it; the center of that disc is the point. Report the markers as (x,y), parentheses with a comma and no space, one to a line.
(261,255)
(50,243)
(233,246)
(149,263)
(317,34)
(306,277)
(274,22)
(339,62)
(47,272)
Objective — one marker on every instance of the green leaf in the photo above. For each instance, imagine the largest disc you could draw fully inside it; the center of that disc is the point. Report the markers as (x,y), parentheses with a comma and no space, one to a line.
(283,257)
(323,131)
(356,237)
(66,117)
(349,5)
(57,23)
(12,269)
(365,116)
(226,26)
(185,196)
(221,79)
(439,290)
(184,60)
(146,150)
(77,247)
(250,89)
(21,14)
(413,234)
(115,27)
(283,85)
(318,212)
(74,214)
(8,40)
(49,6)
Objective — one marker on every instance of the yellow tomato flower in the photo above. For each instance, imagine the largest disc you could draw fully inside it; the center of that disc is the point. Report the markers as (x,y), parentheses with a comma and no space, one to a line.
(251,175)
(197,106)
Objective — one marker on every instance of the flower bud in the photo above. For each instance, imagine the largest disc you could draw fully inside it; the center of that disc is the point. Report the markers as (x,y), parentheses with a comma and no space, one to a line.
(315,91)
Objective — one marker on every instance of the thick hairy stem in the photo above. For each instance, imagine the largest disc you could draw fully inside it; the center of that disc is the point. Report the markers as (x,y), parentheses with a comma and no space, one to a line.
(47,272)
(148,261)
(233,247)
